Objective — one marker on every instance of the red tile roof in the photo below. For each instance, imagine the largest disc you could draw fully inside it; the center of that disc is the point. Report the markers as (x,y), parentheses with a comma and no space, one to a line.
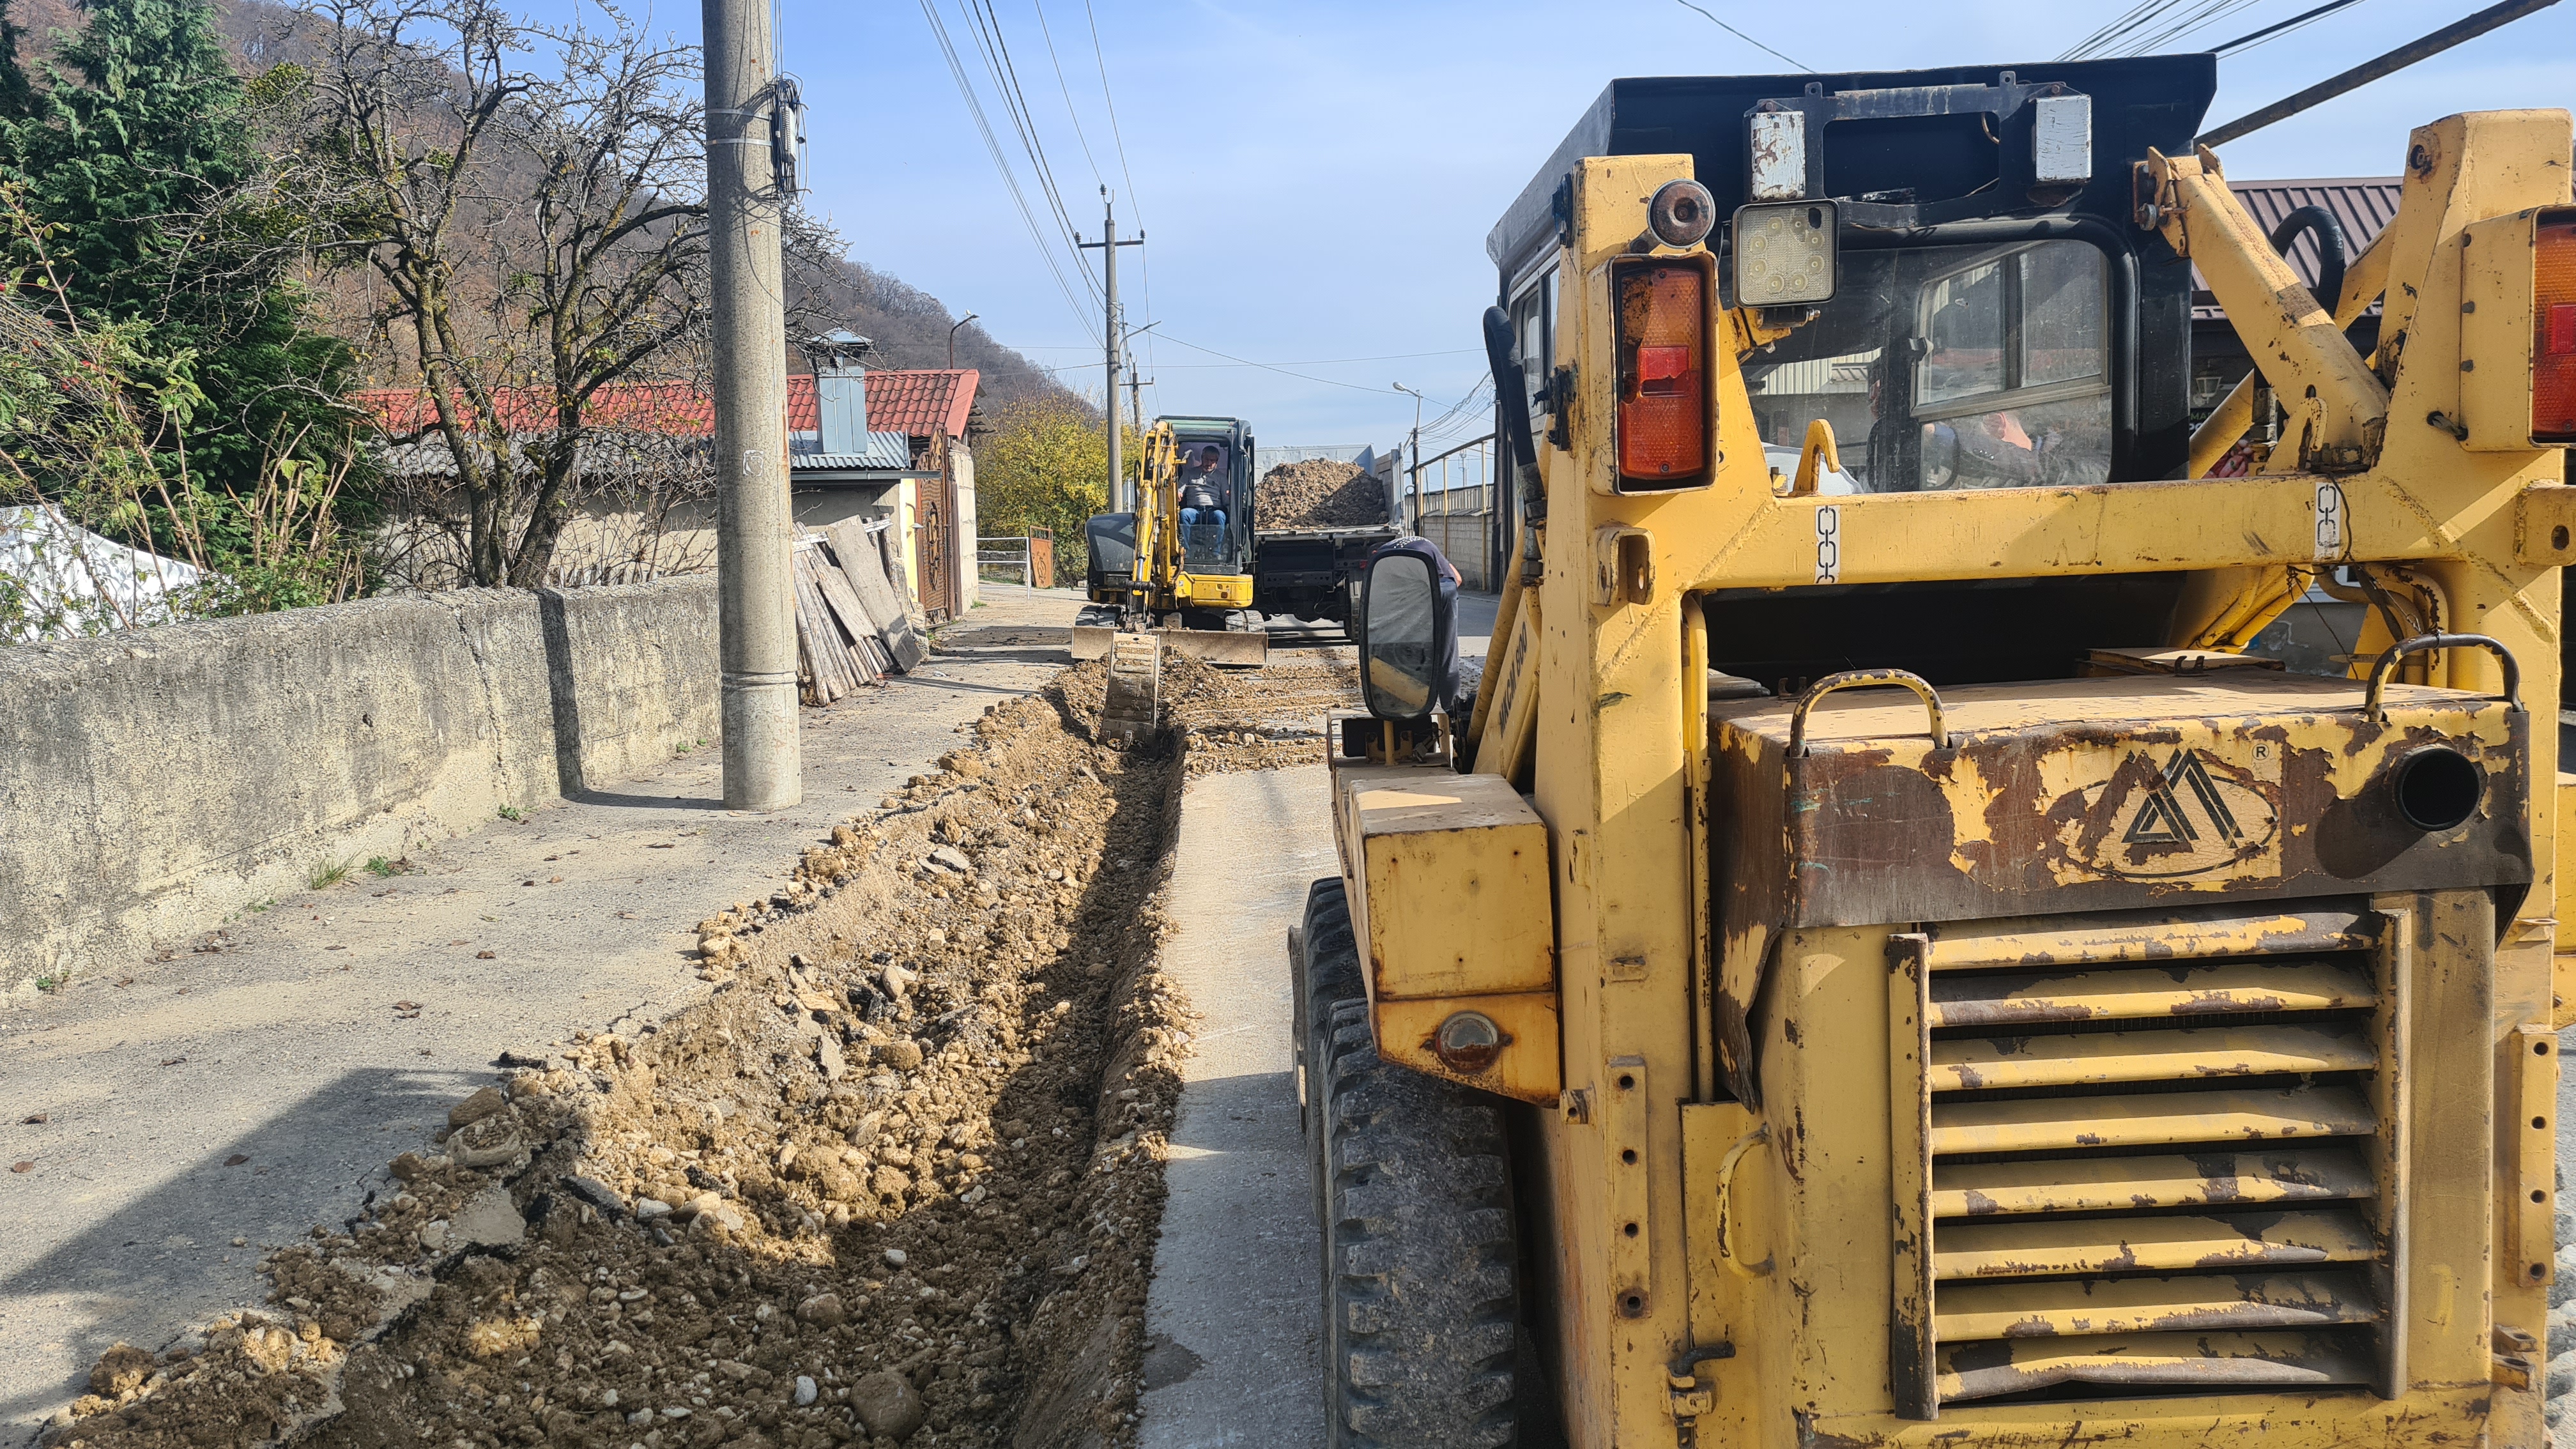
(661,407)
(921,403)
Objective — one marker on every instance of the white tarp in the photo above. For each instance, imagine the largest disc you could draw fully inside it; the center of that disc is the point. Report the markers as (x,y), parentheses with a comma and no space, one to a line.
(58,580)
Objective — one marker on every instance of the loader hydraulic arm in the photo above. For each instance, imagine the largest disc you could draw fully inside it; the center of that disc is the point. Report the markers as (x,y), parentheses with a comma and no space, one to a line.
(2338,406)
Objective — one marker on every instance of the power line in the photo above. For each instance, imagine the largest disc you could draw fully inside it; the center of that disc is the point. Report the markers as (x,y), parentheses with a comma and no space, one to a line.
(2274,32)
(1006,83)
(1135,200)
(1273,367)
(2192,20)
(1067,91)
(2150,24)
(1304,362)
(1740,35)
(1001,162)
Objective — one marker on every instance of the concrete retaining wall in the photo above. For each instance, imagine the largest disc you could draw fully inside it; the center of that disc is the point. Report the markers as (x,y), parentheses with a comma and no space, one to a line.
(152,784)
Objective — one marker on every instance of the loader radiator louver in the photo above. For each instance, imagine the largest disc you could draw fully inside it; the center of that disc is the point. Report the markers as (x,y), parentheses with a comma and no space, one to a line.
(2148,1154)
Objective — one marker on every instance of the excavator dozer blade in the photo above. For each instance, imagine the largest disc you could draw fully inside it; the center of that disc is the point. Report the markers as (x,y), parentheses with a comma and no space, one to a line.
(1248,648)
(1131,711)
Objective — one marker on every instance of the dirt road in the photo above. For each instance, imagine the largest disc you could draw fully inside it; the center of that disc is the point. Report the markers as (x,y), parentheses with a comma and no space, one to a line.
(194,1112)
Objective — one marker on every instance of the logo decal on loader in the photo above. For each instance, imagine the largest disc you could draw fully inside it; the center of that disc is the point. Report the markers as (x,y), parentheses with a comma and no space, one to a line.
(2161,818)
(2190,815)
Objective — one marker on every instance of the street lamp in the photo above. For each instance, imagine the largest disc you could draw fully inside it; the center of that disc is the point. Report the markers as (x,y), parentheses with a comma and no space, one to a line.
(1417,453)
(952,340)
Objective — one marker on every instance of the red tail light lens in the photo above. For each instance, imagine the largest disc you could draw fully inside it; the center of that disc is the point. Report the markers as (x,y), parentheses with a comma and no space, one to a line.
(2553,330)
(1663,373)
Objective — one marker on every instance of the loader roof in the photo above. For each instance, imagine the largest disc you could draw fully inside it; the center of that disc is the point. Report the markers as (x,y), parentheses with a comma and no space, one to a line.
(2139,102)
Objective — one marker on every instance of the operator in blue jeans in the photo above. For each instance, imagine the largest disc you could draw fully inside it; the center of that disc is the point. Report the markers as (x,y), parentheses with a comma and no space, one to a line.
(1200,500)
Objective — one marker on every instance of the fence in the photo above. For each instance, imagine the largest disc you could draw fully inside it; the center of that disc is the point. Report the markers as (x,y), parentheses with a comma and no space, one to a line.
(1029,558)
(1451,502)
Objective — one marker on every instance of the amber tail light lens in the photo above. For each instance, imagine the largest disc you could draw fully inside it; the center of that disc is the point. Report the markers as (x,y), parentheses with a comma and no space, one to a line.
(1663,373)
(2553,330)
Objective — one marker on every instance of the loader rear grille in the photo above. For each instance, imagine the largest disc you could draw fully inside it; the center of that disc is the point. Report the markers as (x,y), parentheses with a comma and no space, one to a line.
(2147,1154)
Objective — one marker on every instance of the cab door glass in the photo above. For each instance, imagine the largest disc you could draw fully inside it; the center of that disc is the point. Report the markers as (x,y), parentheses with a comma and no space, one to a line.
(1951,367)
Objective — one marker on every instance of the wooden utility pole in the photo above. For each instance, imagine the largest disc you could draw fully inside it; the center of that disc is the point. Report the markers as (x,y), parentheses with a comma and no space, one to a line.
(756,602)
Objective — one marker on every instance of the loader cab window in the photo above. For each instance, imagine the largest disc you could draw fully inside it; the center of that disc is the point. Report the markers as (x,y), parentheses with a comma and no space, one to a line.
(1952,367)
(1534,327)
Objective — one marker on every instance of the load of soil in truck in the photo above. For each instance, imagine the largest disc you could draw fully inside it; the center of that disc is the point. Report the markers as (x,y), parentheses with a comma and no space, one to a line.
(1318,493)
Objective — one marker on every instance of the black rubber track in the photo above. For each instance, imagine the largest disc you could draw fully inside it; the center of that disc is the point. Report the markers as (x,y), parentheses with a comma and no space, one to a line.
(1414,1188)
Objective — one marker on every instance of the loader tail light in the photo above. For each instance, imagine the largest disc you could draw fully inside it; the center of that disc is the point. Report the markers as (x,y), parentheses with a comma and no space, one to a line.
(2553,330)
(1663,373)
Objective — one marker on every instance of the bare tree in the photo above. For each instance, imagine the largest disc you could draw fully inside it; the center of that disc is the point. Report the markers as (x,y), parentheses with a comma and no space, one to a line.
(531,200)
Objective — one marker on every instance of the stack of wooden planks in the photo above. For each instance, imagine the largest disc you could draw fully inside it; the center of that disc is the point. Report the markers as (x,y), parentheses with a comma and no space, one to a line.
(851,624)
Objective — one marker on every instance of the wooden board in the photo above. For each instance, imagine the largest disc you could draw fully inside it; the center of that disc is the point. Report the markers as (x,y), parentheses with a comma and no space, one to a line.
(827,656)
(862,565)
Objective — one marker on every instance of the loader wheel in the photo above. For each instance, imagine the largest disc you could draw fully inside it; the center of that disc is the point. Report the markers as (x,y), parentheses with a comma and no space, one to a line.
(1419,1262)
(1328,973)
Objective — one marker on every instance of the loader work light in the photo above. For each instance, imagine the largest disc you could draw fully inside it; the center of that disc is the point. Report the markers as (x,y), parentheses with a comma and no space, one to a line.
(1663,373)
(1784,253)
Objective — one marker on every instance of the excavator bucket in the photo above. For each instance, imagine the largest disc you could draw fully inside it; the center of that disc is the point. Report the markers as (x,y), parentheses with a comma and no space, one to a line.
(1246,648)
(1131,710)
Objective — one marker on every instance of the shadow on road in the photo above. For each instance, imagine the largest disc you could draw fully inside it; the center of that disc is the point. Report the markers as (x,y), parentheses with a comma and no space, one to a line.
(164,1258)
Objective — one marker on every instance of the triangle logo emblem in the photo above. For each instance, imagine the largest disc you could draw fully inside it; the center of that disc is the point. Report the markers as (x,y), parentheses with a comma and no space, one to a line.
(2173,797)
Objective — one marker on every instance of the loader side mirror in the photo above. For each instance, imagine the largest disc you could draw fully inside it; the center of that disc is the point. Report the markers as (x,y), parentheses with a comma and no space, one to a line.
(1404,636)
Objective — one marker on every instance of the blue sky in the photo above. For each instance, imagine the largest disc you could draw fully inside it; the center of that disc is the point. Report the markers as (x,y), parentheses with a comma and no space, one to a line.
(1316,179)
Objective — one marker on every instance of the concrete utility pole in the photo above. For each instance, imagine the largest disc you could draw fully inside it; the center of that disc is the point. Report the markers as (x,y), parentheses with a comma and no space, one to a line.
(1112,338)
(1416,474)
(756,601)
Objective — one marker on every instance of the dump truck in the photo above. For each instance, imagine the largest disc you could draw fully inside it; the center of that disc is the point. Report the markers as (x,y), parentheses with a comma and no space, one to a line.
(1314,573)
(1312,537)
(1888,966)
(1189,579)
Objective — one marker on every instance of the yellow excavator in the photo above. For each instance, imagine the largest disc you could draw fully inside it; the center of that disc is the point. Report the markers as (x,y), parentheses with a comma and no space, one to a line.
(1893,965)
(1175,573)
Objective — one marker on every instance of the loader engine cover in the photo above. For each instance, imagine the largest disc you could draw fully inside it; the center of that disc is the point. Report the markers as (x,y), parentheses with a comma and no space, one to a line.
(2109,793)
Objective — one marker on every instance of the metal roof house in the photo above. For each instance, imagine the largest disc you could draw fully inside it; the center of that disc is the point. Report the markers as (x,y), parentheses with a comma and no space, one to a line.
(862,442)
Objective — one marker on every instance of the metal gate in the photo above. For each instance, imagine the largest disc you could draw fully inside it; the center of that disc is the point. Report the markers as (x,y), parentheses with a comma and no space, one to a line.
(932,548)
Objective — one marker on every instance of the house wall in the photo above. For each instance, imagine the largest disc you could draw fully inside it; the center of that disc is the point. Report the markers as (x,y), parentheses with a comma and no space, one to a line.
(969,588)
(157,782)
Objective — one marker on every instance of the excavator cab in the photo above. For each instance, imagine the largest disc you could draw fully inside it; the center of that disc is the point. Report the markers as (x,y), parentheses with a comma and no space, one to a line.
(1889,964)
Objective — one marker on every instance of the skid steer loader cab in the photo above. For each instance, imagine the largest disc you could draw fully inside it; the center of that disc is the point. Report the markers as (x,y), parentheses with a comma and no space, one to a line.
(1896,963)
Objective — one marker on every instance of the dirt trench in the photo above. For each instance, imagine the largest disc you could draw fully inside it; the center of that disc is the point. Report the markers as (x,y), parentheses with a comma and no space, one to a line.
(895,1182)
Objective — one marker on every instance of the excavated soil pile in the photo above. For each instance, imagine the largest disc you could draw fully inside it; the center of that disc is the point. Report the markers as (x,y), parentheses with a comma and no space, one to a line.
(895,1183)
(1268,719)
(1318,494)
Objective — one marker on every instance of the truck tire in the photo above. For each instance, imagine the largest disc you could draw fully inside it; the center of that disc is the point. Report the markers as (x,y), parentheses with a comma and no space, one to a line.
(1419,1259)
